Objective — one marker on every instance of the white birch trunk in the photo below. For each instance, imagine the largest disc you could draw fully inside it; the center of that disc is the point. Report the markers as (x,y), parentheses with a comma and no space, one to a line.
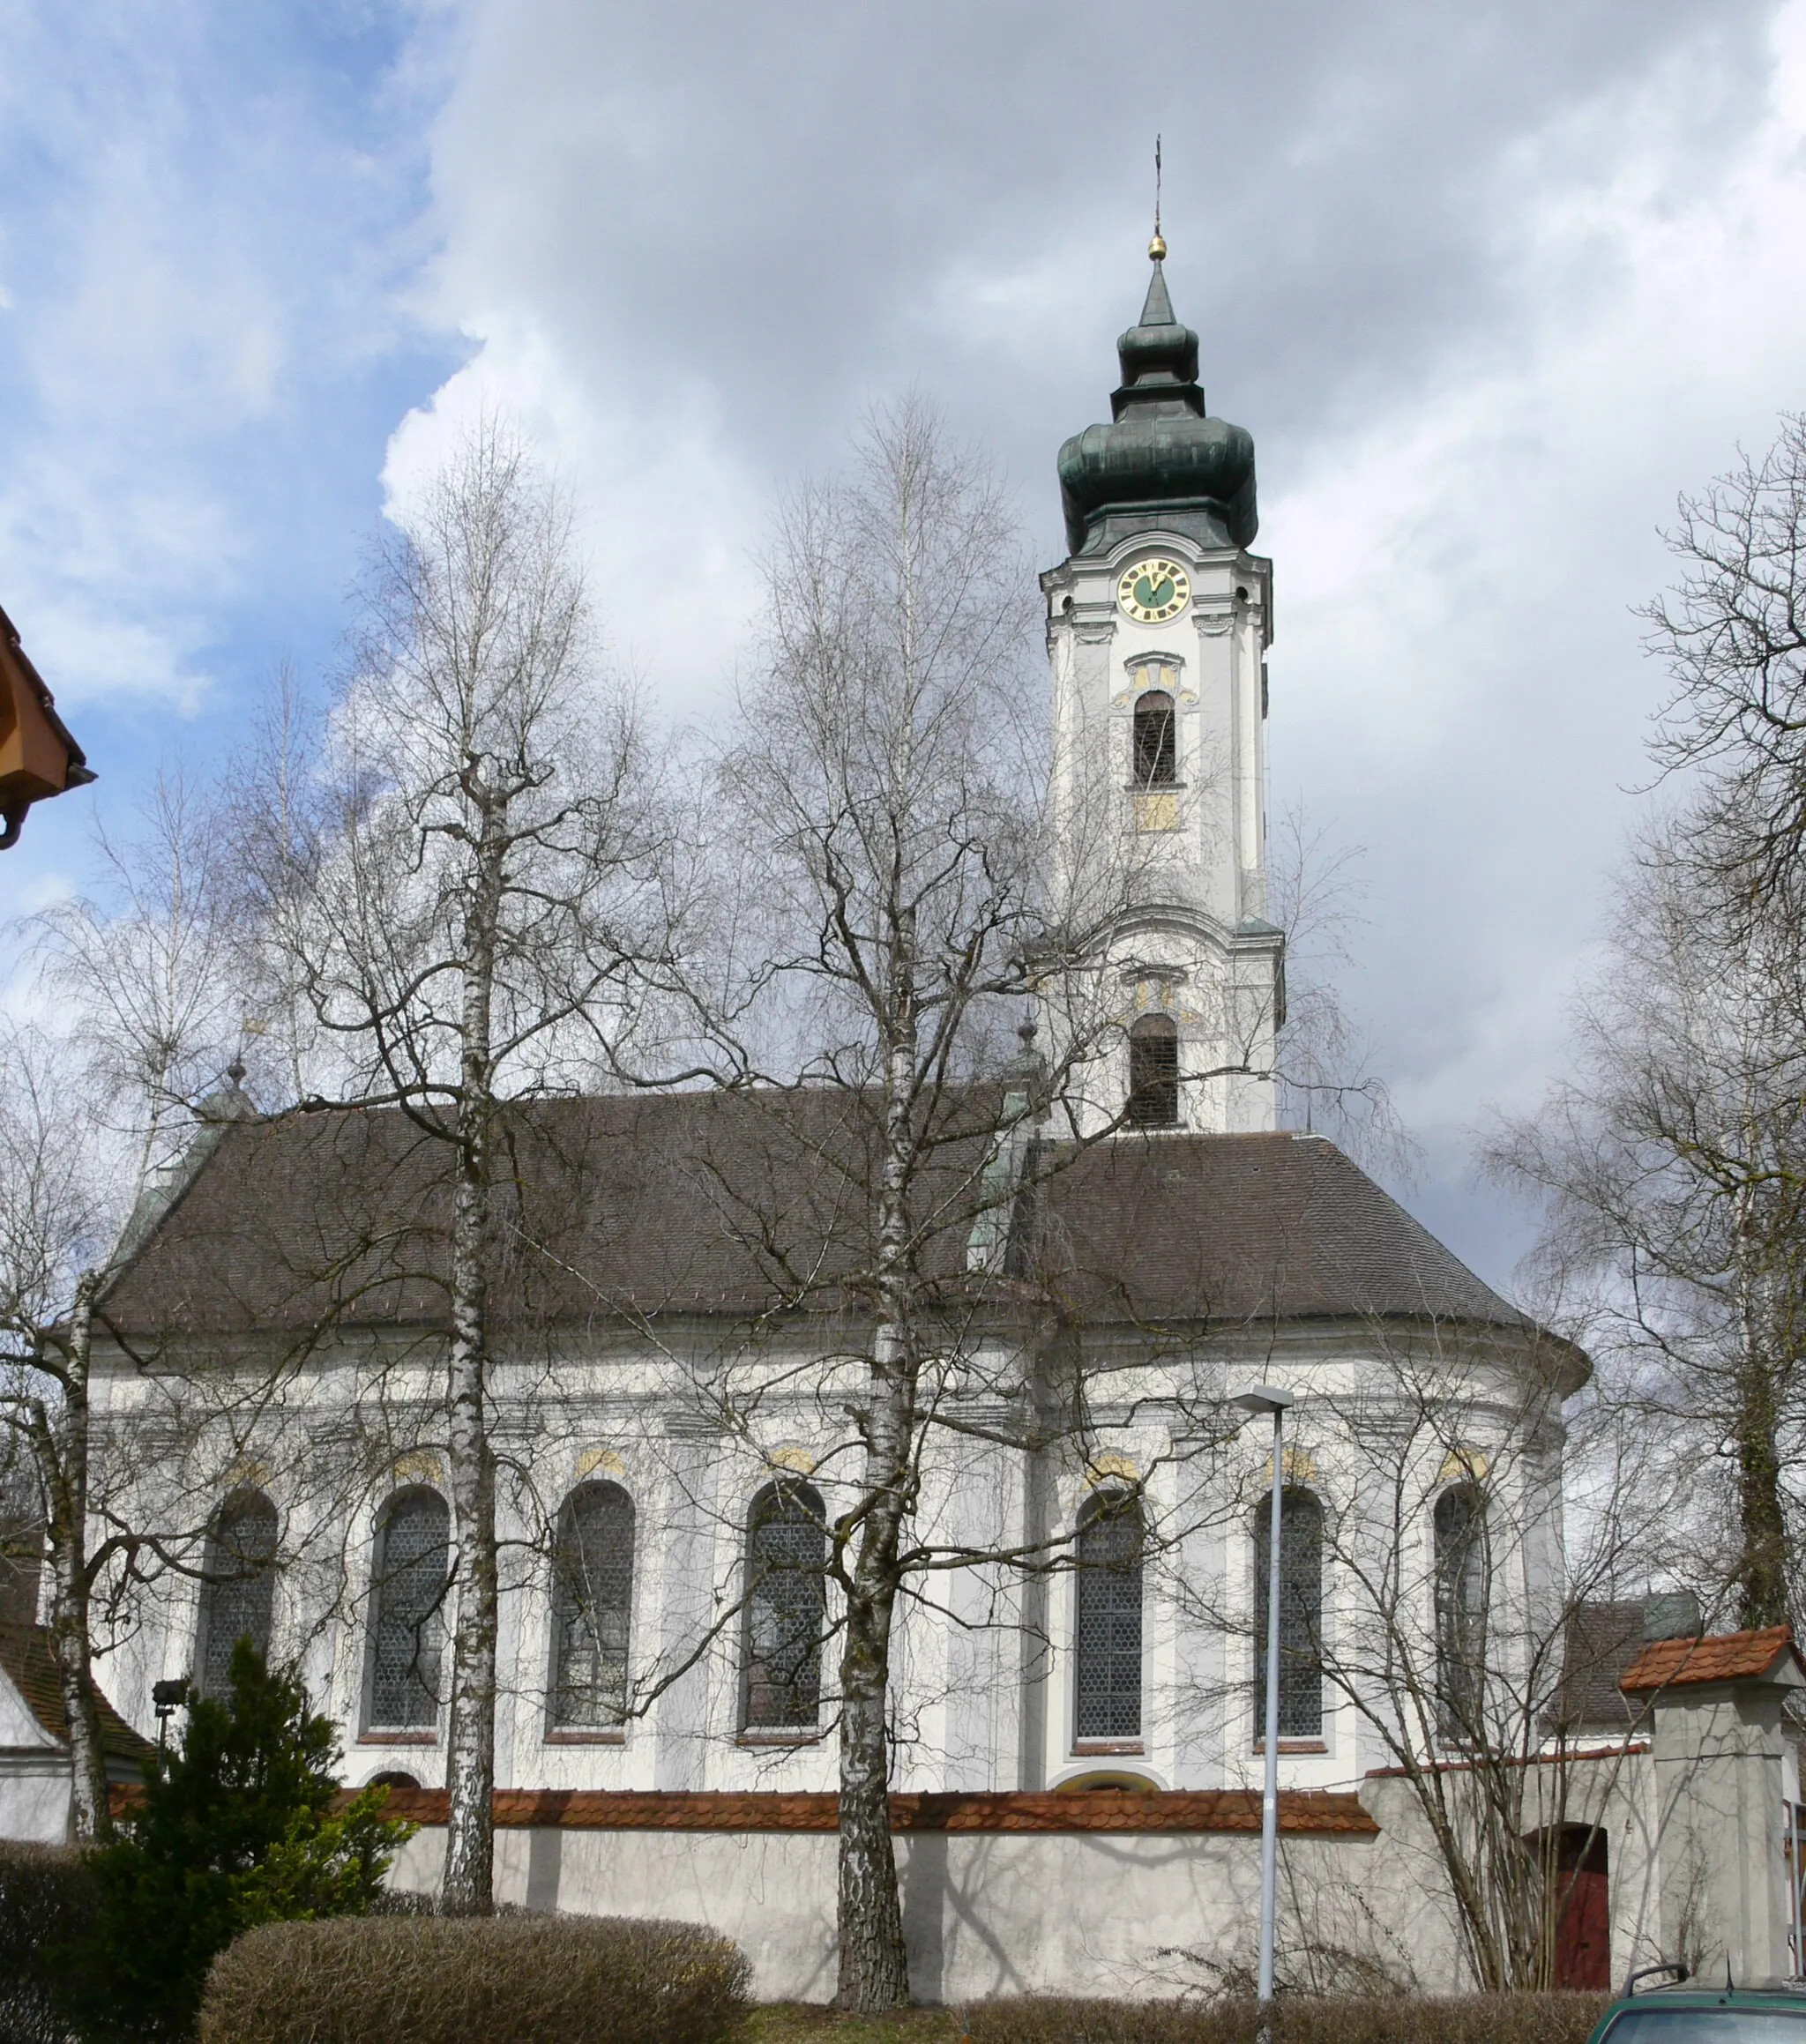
(63,1459)
(470,1759)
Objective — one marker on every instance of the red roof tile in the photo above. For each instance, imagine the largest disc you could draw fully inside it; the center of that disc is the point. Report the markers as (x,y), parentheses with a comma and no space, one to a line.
(1723,1657)
(27,1656)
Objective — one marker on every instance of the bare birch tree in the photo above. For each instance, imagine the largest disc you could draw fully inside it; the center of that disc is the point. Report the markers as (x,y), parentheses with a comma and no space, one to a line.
(1671,1160)
(1671,1156)
(890,785)
(54,1239)
(93,1121)
(1732,634)
(455,899)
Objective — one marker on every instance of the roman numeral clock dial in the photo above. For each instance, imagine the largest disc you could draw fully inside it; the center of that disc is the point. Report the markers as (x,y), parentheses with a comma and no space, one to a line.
(1151,592)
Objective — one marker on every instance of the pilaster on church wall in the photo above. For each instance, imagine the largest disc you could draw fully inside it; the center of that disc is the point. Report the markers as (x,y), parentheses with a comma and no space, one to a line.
(1215,847)
(974,1621)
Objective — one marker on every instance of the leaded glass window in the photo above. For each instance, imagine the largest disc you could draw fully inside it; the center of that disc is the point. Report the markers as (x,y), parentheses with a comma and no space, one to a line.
(787,1587)
(1156,749)
(1462,1569)
(408,1611)
(1301,1613)
(1107,1613)
(1154,1073)
(593,1598)
(238,1595)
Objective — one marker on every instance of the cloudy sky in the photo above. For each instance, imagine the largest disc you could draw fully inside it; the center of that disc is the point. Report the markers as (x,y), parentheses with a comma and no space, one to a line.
(1488,283)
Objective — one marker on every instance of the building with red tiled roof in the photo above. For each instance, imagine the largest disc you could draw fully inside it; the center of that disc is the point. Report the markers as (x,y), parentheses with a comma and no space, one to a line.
(35,1786)
(1725,1657)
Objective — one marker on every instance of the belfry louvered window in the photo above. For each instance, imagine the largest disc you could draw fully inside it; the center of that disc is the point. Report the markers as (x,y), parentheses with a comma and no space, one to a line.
(1156,743)
(1154,1073)
(1107,1644)
(1301,1615)
(1462,1572)
(787,1592)
(408,1611)
(593,1598)
(238,1595)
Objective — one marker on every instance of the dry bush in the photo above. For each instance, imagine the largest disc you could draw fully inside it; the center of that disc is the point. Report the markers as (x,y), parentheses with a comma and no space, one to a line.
(507,1980)
(47,1899)
(1553,2018)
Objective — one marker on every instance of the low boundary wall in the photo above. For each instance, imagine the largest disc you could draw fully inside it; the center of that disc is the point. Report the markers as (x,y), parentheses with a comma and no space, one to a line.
(1092,1893)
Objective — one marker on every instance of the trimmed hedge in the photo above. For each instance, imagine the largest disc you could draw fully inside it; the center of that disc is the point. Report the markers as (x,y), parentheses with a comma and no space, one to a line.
(1554,2019)
(48,1900)
(507,1980)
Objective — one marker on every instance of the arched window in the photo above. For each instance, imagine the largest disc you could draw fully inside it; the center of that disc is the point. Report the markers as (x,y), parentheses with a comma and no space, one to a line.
(1301,1613)
(1154,1073)
(1156,740)
(787,1602)
(1106,1633)
(1462,1572)
(239,1593)
(408,1611)
(592,1600)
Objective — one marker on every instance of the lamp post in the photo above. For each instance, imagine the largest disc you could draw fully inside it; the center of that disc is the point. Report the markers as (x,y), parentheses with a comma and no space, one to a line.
(168,1696)
(1266,1397)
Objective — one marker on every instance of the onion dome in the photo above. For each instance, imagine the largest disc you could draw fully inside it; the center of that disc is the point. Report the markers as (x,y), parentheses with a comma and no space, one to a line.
(1163,463)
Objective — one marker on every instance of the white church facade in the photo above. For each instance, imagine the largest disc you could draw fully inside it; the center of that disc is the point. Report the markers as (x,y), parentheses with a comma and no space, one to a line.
(1076,1720)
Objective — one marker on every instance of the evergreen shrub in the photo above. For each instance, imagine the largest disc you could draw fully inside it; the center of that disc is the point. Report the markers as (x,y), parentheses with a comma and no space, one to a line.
(449,1980)
(234,1826)
(48,1898)
(1544,2018)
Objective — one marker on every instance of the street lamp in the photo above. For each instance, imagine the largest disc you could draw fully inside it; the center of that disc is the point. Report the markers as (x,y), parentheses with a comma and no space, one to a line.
(168,1696)
(1266,1397)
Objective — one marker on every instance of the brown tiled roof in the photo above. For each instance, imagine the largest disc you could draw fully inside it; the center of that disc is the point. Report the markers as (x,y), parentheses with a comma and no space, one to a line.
(746,1203)
(1247,1227)
(1302,1812)
(1723,1657)
(27,1656)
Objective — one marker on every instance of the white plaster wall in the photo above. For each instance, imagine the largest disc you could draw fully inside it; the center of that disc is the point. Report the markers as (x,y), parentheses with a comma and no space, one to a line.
(984,1913)
(34,1797)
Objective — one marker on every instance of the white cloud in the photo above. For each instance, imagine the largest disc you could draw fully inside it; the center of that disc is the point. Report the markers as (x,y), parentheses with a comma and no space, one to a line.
(195,236)
(1459,677)
(669,519)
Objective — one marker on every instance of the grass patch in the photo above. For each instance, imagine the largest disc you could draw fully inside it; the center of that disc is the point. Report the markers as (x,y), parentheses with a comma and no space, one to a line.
(808,2023)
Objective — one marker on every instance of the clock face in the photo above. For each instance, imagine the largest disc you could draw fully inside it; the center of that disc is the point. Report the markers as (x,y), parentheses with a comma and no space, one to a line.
(1151,592)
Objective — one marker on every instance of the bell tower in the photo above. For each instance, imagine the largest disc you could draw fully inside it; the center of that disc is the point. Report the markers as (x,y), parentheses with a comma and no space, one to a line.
(1158,623)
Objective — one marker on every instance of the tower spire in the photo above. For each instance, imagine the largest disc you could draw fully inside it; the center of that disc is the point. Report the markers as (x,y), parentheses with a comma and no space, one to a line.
(1162,463)
(1157,247)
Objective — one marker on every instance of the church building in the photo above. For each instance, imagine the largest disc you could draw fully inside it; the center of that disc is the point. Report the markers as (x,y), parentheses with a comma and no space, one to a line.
(1077,1723)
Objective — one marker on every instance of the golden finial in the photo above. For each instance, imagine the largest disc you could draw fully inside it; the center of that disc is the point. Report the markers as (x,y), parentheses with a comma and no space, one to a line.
(1157,247)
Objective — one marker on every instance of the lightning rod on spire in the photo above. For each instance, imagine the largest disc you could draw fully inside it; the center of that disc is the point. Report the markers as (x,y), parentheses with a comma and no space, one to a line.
(1157,247)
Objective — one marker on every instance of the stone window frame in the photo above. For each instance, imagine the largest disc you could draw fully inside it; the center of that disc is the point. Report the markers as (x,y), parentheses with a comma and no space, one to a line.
(259,1578)
(1292,1739)
(561,1730)
(1159,1109)
(750,1729)
(1118,1503)
(424,1732)
(1461,1607)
